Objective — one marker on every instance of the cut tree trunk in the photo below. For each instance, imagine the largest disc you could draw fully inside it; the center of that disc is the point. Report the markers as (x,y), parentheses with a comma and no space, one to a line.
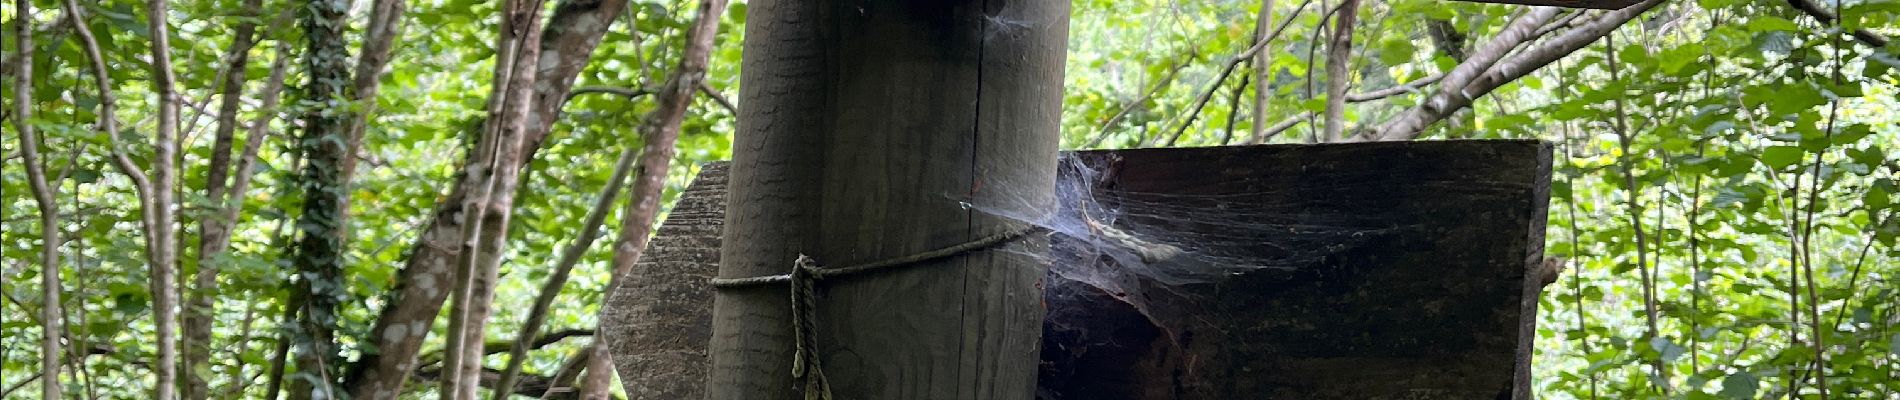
(1397,271)
(876,131)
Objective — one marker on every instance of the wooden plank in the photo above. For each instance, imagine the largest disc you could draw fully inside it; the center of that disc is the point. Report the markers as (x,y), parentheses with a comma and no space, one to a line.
(1399,273)
(1417,289)
(658,322)
(867,127)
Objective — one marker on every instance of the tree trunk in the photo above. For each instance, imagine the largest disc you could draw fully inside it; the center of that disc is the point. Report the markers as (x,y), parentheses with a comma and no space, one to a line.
(867,130)
(1338,56)
(497,162)
(385,24)
(320,247)
(660,131)
(589,230)
(214,232)
(574,31)
(51,318)
(1262,73)
(163,235)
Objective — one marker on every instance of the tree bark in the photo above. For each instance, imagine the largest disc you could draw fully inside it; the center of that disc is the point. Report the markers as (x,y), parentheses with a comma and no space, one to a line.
(660,130)
(108,126)
(214,233)
(590,229)
(574,30)
(1487,69)
(385,24)
(1338,55)
(865,133)
(320,247)
(52,328)
(163,236)
(497,160)
(1262,73)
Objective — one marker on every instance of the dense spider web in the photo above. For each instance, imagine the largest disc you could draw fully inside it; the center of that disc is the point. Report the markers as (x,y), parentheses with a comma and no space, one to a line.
(1156,251)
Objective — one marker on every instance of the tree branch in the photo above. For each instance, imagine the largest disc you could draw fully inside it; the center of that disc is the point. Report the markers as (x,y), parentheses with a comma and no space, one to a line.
(709,91)
(1228,69)
(629,93)
(1478,77)
(575,29)
(661,130)
(1407,87)
(1826,16)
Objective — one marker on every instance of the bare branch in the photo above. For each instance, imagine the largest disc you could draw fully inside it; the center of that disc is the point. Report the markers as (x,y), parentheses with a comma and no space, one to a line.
(590,229)
(1826,16)
(1468,81)
(1408,87)
(709,91)
(1228,70)
(630,93)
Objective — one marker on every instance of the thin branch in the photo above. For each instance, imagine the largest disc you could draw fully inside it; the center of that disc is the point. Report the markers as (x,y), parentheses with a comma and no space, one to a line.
(630,93)
(1228,69)
(1826,16)
(1102,129)
(1280,127)
(1408,87)
(720,98)
(590,230)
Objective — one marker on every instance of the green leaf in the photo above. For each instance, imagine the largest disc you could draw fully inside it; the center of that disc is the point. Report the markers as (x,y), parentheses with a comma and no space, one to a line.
(1779,157)
(1740,385)
(1397,51)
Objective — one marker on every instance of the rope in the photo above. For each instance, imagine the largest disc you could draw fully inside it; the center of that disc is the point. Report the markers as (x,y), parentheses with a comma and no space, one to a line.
(804,278)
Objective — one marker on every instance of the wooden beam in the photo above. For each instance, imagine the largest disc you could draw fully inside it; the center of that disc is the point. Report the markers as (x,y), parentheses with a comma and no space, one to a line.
(1391,270)
(867,128)
(1419,288)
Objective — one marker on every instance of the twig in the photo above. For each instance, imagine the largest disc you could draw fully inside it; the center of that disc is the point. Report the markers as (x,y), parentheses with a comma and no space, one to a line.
(1408,87)
(1102,129)
(1228,69)
(631,93)
(717,97)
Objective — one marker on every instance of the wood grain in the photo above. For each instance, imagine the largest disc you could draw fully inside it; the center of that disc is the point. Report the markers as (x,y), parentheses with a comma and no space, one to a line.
(866,127)
(1423,293)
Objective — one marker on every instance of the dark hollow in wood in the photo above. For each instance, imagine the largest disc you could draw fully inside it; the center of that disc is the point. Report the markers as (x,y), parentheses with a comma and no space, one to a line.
(1422,290)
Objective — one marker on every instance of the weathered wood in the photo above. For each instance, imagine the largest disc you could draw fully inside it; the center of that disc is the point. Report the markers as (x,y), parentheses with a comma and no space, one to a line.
(866,127)
(1400,273)
(659,320)
(1419,290)
(1597,4)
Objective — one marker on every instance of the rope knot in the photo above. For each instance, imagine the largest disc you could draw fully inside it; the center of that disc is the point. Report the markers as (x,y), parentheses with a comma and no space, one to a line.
(805,369)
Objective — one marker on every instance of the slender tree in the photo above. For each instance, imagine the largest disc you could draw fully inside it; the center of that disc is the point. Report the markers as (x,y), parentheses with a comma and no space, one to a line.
(164,171)
(214,232)
(574,30)
(496,162)
(1338,56)
(320,247)
(660,131)
(51,318)
(1262,73)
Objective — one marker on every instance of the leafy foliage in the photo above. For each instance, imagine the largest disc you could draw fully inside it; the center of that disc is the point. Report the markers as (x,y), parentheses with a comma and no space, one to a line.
(1760,167)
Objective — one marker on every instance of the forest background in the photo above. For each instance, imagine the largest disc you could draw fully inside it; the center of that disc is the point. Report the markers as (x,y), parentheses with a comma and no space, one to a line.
(1724,199)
